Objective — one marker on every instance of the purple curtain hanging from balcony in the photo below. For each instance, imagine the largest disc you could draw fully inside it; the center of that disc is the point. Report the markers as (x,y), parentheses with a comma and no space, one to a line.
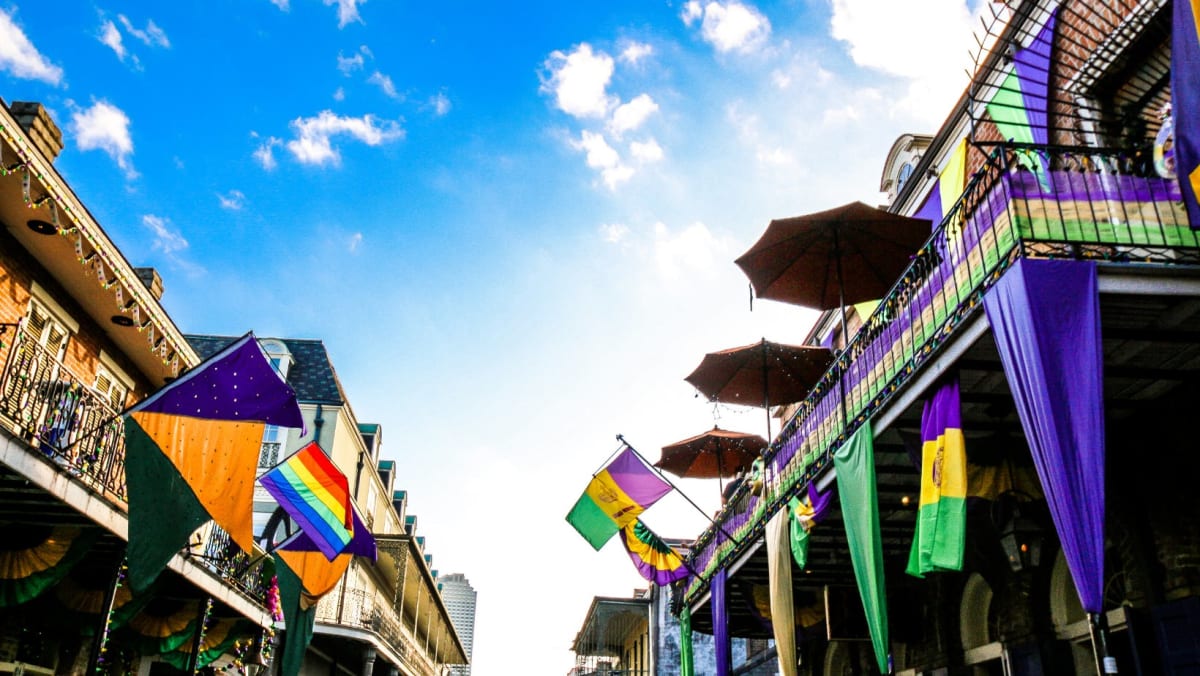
(720,620)
(1045,316)
(1032,64)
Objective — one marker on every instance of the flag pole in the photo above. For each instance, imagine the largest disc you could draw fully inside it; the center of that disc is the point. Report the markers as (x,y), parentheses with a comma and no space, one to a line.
(621,438)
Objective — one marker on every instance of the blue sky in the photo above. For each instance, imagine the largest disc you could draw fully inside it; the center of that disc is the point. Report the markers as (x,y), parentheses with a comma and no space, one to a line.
(513,224)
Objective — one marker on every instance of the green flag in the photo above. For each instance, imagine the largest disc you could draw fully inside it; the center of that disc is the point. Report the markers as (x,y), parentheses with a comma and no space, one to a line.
(685,642)
(298,620)
(855,465)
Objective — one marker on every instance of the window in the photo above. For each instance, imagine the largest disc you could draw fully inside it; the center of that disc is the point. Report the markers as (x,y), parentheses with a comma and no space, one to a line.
(279,356)
(112,383)
(906,171)
(46,330)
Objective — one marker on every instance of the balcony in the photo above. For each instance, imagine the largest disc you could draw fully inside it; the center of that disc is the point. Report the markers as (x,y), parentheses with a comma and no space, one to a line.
(362,609)
(75,428)
(1024,202)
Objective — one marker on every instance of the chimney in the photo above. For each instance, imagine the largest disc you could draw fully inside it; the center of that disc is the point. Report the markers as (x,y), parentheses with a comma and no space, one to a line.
(39,127)
(151,281)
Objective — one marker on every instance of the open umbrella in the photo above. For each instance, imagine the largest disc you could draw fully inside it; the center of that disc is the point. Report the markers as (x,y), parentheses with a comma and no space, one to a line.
(828,259)
(761,374)
(715,454)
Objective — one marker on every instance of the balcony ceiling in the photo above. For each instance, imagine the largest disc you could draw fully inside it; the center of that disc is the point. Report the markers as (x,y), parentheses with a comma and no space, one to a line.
(1152,370)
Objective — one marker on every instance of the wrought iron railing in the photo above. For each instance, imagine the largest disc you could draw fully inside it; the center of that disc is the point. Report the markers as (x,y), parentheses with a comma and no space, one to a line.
(1024,202)
(58,413)
(363,609)
(268,456)
(217,552)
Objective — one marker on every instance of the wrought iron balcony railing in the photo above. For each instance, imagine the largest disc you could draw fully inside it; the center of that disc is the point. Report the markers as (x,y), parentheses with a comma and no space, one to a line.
(217,552)
(362,609)
(58,413)
(1025,201)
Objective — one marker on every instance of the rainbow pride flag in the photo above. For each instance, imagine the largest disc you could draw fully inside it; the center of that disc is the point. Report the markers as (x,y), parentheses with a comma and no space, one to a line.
(654,559)
(615,497)
(942,515)
(316,495)
(191,454)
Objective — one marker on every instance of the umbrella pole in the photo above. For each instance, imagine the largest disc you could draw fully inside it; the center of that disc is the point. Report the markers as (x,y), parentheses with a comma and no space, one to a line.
(766,391)
(837,261)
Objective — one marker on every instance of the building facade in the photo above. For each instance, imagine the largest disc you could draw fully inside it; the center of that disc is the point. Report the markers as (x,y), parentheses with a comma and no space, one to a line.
(384,617)
(1055,154)
(460,597)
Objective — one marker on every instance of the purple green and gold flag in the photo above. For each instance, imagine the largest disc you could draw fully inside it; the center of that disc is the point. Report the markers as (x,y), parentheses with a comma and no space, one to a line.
(942,515)
(615,497)
(654,559)
(191,454)
(315,493)
(1185,102)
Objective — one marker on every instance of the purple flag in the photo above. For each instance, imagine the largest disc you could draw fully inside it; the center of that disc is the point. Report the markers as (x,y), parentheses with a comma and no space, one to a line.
(1185,102)
(1045,317)
(720,620)
(1032,64)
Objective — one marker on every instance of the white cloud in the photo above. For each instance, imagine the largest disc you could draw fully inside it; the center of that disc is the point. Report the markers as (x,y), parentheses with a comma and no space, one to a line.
(166,238)
(614,233)
(105,127)
(780,79)
(151,35)
(313,145)
(636,51)
(579,81)
(385,84)
(355,240)
(349,64)
(281,4)
(604,158)
(233,200)
(339,94)
(646,152)
(879,35)
(691,11)
(347,11)
(265,153)
(440,104)
(631,115)
(728,27)
(110,36)
(691,250)
(774,156)
(20,58)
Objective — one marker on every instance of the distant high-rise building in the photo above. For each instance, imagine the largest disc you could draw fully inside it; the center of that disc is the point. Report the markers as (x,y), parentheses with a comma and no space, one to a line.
(459,596)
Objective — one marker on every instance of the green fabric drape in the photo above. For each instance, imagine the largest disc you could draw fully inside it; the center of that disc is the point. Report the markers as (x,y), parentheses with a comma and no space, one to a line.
(855,465)
(685,643)
(298,621)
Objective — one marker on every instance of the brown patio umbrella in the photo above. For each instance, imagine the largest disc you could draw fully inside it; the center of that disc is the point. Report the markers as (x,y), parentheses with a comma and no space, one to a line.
(761,374)
(715,454)
(828,259)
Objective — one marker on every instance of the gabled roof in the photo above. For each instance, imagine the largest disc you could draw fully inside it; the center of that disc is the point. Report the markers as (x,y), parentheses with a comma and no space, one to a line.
(311,374)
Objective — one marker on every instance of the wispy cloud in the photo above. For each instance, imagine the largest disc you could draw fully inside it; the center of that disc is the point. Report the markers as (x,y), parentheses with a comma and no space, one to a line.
(603,158)
(151,35)
(694,249)
(355,240)
(579,81)
(167,238)
(233,200)
(440,104)
(629,116)
(313,142)
(282,4)
(614,233)
(349,64)
(730,26)
(20,58)
(646,152)
(111,37)
(265,153)
(385,84)
(635,52)
(347,11)
(104,126)
(339,94)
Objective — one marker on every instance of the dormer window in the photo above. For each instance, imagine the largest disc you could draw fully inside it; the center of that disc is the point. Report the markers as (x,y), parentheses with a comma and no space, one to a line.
(906,171)
(279,356)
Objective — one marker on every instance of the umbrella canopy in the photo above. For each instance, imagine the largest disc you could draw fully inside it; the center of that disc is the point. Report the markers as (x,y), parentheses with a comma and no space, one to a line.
(829,259)
(761,374)
(715,454)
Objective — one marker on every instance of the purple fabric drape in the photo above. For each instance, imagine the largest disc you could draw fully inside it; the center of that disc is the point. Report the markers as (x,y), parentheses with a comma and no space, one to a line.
(720,620)
(1045,316)
(820,501)
(1032,64)
(932,207)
